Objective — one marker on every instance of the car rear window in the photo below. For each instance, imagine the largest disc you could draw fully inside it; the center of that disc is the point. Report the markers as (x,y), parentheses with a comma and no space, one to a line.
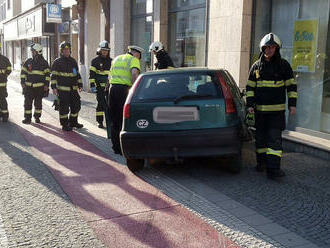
(176,85)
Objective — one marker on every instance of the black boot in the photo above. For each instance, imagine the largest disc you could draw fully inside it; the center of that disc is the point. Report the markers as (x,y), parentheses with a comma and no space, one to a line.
(26,121)
(260,167)
(4,119)
(66,128)
(37,119)
(76,125)
(100,125)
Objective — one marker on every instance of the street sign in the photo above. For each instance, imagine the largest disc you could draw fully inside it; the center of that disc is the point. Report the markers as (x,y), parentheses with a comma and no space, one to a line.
(53,13)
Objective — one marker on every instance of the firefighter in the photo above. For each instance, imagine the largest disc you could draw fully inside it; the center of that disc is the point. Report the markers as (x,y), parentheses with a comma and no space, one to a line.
(164,60)
(66,82)
(270,78)
(98,78)
(35,77)
(124,71)
(5,70)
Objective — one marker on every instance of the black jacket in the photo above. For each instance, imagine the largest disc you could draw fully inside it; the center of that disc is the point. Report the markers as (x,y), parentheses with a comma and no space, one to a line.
(99,71)
(35,70)
(5,69)
(163,60)
(268,83)
(65,73)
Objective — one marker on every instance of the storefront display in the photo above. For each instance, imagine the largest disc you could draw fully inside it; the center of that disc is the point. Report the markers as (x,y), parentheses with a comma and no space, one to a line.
(141,29)
(187,32)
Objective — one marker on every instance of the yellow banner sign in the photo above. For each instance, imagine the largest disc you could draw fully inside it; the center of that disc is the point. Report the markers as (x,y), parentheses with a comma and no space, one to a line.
(304,45)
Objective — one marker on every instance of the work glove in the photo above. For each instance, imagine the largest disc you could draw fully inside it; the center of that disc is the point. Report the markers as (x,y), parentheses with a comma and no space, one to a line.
(250,119)
(56,104)
(93,89)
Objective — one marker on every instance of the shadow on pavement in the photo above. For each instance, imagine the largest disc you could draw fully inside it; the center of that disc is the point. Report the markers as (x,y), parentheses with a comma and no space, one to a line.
(9,144)
(82,173)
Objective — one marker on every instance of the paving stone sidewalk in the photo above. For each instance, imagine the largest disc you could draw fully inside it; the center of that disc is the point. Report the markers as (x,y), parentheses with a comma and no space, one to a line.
(34,210)
(122,210)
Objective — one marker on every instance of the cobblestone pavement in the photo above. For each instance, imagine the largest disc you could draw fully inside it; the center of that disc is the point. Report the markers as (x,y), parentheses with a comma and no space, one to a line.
(300,203)
(34,210)
(251,210)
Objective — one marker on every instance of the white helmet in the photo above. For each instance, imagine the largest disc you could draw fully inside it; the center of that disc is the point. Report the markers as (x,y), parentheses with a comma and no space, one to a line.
(269,40)
(37,47)
(136,48)
(156,46)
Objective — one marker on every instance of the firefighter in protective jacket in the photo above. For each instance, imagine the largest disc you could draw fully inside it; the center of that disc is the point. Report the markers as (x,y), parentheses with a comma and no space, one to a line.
(270,79)
(66,82)
(5,70)
(35,77)
(98,78)
(164,60)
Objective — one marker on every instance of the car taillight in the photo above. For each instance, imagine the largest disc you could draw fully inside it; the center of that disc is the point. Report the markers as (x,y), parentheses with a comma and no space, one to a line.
(127,106)
(230,105)
(127,111)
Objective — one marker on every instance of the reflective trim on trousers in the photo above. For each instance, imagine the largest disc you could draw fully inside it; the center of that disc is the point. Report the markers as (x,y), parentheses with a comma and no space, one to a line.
(274,152)
(274,107)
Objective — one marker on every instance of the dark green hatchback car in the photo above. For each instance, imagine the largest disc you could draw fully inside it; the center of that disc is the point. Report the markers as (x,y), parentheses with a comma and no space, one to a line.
(183,113)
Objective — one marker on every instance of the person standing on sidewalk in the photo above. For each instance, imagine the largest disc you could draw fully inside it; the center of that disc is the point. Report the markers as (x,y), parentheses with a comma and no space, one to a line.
(35,77)
(164,60)
(269,79)
(98,78)
(124,71)
(66,82)
(5,70)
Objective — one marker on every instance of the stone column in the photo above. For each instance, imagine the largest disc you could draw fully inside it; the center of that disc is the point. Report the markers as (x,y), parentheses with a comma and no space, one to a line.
(161,21)
(230,37)
(106,10)
(120,27)
(81,6)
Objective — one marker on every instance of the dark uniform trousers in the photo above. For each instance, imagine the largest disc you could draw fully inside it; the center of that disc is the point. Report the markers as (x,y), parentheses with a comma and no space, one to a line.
(269,129)
(3,102)
(33,94)
(69,103)
(117,98)
(101,103)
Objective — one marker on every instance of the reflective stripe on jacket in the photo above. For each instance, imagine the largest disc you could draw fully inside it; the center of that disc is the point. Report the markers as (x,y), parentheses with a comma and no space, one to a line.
(268,84)
(35,72)
(5,69)
(65,73)
(99,71)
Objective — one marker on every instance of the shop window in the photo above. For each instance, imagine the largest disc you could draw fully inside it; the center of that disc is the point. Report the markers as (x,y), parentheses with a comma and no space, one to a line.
(306,21)
(141,29)
(187,35)
(184,3)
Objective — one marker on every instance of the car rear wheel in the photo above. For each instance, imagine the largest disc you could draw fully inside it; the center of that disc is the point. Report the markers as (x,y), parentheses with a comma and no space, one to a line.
(135,164)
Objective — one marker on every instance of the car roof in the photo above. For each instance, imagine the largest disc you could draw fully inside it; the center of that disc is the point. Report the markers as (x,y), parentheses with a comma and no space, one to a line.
(181,70)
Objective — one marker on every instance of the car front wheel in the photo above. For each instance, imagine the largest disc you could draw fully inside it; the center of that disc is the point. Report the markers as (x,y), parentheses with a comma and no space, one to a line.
(236,164)
(135,164)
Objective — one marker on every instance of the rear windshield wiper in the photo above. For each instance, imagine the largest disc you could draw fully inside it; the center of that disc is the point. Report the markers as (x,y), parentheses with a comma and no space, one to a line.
(185,97)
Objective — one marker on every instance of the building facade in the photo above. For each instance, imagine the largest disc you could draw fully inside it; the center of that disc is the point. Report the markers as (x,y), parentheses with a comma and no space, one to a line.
(226,34)
(25,23)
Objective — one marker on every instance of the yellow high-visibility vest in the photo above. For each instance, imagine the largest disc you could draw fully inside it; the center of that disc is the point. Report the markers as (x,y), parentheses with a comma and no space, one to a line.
(120,72)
